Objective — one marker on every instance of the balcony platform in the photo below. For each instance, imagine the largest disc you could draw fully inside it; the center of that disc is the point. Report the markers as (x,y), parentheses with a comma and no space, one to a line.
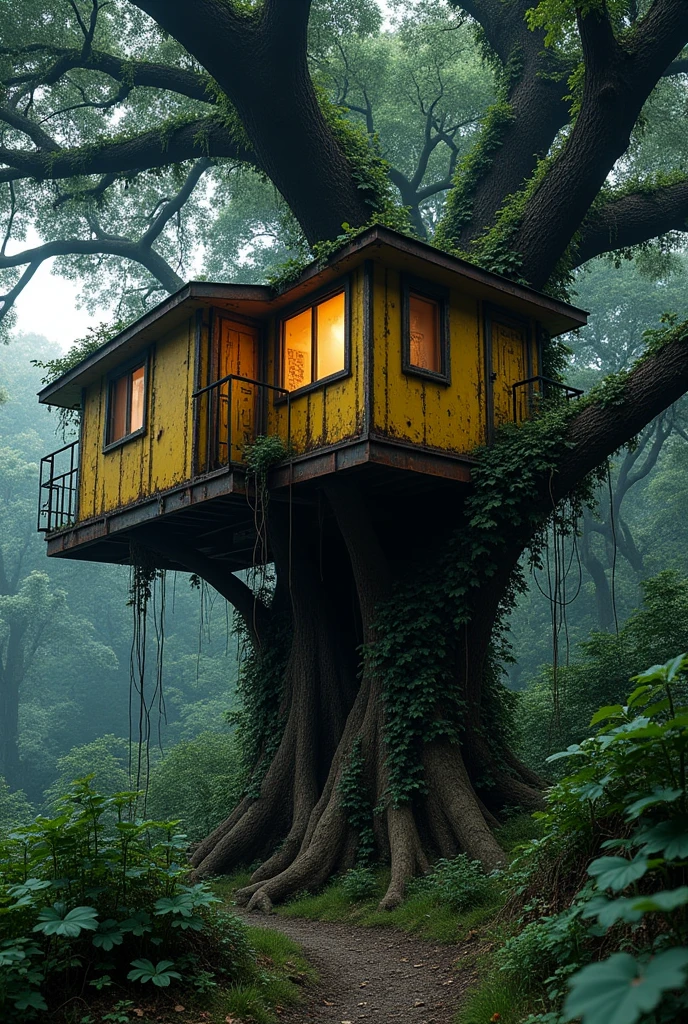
(215,511)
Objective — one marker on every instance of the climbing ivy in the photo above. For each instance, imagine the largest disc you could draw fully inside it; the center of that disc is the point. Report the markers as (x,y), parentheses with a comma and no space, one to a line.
(258,718)
(355,803)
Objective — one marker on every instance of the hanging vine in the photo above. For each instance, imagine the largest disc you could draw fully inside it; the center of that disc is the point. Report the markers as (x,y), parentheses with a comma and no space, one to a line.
(146,591)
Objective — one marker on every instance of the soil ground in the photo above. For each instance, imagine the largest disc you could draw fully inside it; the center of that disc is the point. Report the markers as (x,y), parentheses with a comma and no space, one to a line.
(376,975)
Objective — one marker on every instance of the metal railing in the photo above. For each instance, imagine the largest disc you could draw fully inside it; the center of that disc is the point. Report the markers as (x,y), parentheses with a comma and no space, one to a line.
(228,414)
(58,488)
(540,389)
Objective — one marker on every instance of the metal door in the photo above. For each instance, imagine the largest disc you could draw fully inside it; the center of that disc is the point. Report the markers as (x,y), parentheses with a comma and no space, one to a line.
(508,365)
(238,399)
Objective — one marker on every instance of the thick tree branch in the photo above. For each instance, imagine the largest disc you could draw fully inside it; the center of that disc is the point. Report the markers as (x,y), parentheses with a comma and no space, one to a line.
(8,300)
(537,111)
(600,429)
(154,263)
(136,73)
(200,137)
(175,205)
(259,59)
(618,80)
(254,613)
(632,219)
(29,128)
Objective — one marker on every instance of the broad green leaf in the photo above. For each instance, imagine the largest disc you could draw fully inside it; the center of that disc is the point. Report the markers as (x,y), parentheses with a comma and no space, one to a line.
(655,674)
(194,923)
(620,991)
(660,795)
(617,872)
(110,934)
(609,711)
(608,912)
(668,837)
(641,695)
(570,751)
(55,921)
(160,974)
(138,924)
(676,666)
(30,1000)
(664,902)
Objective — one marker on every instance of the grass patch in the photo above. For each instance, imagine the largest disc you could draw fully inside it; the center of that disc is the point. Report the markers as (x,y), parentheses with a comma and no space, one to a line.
(494,996)
(281,973)
(422,914)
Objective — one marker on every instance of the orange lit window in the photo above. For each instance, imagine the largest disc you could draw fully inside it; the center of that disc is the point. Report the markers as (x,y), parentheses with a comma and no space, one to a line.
(425,330)
(314,343)
(424,333)
(126,404)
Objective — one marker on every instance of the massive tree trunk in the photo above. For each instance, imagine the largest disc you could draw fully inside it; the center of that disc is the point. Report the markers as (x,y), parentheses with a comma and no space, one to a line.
(332,775)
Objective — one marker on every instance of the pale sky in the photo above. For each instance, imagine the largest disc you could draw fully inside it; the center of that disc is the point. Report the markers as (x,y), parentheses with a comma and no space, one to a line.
(49,304)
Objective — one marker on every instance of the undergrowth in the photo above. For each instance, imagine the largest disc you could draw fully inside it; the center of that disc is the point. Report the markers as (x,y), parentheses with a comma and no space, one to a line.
(100,922)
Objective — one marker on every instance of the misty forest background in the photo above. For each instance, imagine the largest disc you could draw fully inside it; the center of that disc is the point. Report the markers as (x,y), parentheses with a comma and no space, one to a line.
(615,596)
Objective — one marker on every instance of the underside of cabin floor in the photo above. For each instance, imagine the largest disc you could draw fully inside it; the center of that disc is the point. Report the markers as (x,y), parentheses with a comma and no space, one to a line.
(215,515)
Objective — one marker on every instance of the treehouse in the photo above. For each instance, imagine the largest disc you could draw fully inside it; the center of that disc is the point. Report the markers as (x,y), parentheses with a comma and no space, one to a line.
(389,365)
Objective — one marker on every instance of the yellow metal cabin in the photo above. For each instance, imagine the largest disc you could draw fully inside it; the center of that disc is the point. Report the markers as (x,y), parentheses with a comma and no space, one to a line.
(391,363)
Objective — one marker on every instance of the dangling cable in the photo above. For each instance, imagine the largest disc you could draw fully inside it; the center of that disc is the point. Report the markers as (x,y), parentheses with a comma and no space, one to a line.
(612,523)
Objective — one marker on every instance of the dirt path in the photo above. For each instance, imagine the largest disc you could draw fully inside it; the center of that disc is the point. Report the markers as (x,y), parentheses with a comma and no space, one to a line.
(373,974)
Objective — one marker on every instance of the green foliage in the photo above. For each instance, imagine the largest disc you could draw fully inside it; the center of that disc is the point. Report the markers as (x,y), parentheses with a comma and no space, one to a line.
(355,801)
(96,878)
(601,676)
(196,781)
(616,835)
(95,338)
(360,885)
(15,808)
(259,724)
(263,453)
(105,760)
(418,626)
(459,883)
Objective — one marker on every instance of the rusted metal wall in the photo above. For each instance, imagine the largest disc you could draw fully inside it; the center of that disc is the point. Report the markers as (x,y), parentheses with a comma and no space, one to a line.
(447,417)
(161,457)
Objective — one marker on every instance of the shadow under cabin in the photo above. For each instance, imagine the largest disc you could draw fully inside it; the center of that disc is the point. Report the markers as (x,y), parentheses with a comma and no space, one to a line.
(387,365)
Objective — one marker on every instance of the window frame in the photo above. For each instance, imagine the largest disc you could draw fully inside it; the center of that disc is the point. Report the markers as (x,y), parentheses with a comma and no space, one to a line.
(126,370)
(436,293)
(311,301)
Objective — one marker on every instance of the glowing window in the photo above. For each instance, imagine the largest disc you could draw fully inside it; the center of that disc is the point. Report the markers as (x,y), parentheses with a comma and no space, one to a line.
(314,343)
(126,404)
(298,350)
(424,333)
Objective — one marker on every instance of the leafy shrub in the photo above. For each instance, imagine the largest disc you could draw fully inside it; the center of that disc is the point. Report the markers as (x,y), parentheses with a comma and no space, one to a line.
(459,883)
(622,815)
(105,760)
(196,781)
(14,806)
(95,897)
(360,885)
(650,636)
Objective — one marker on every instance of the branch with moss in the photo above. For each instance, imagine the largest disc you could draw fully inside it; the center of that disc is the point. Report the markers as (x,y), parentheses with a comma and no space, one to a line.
(634,216)
(173,142)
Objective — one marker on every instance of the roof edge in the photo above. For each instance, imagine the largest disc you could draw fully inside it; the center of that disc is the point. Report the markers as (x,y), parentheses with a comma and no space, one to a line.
(425,250)
(191,290)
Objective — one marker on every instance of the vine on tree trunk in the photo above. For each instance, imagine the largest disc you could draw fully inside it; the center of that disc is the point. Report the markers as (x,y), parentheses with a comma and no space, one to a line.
(356,803)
